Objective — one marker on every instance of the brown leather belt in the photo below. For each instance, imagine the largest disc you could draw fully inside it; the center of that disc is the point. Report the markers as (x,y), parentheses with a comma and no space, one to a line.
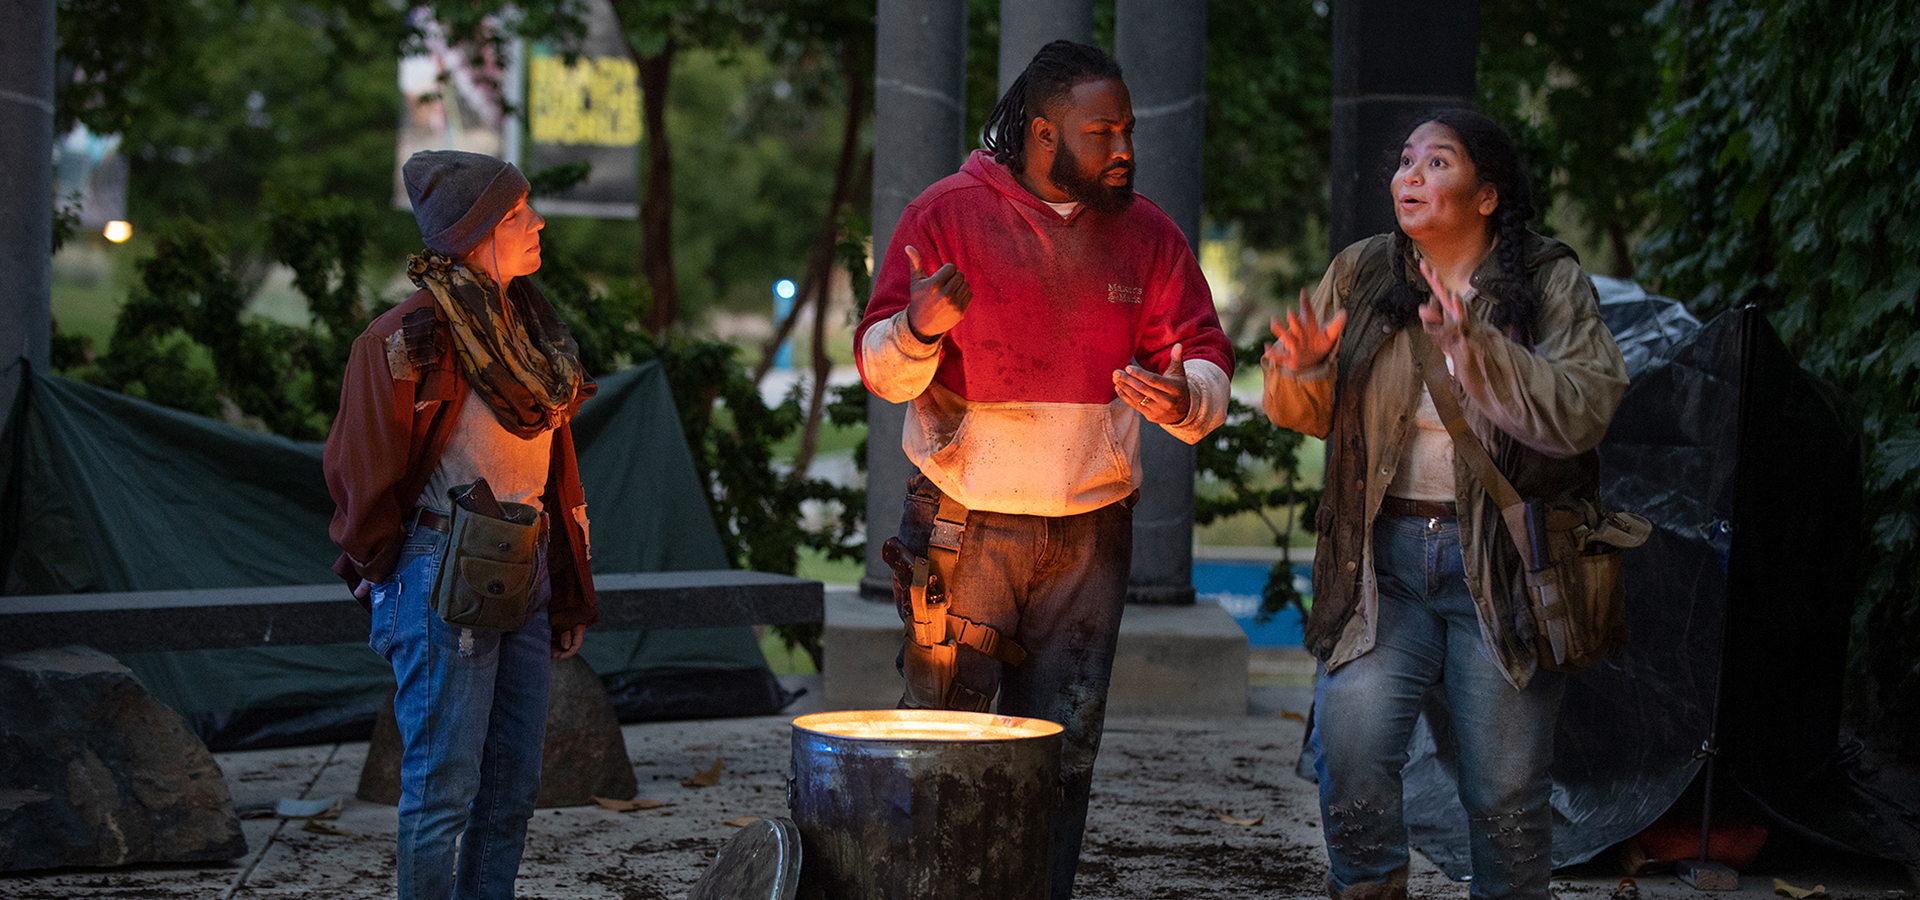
(1401,507)
(427,518)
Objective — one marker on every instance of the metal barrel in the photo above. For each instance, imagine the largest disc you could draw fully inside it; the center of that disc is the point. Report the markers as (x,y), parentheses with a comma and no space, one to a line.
(924,804)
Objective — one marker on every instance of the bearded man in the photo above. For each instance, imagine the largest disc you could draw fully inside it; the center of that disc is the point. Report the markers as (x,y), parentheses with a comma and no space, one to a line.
(1034,310)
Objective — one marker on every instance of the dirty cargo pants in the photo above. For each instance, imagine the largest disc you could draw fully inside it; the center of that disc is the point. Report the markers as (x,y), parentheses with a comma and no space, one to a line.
(1056,586)
(1428,637)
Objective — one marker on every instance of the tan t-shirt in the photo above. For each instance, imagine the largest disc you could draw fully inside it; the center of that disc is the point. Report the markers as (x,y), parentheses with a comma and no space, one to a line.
(1425,470)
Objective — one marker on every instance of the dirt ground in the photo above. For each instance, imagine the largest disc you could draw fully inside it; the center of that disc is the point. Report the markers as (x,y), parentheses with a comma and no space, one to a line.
(1158,830)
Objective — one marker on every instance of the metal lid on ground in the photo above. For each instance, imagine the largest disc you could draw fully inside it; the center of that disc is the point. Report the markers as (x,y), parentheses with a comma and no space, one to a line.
(762,861)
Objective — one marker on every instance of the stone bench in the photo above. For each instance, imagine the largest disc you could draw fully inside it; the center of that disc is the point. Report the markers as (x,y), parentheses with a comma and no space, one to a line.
(224,618)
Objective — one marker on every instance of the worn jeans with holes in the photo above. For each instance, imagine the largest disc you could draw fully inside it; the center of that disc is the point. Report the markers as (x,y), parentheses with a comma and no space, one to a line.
(472,710)
(1428,637)
(1056,586)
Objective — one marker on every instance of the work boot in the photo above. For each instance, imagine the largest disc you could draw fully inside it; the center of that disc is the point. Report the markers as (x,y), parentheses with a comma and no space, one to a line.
(1394,888)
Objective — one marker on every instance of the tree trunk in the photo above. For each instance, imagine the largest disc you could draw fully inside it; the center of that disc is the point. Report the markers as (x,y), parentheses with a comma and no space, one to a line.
(820,259)
(820,269)
(1622,257)
(656,208)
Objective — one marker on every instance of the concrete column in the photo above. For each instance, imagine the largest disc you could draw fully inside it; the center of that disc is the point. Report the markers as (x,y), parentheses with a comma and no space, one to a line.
(919,120)
(1161,47)
(1028,25)
(1384,74)
(26,192)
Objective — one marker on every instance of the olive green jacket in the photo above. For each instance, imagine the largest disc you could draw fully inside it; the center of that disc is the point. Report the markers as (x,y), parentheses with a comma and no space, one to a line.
(1539,411)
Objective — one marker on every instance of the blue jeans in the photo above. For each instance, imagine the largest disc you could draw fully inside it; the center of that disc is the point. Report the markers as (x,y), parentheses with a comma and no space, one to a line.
(1428,637)
(1056,586)
(472,709)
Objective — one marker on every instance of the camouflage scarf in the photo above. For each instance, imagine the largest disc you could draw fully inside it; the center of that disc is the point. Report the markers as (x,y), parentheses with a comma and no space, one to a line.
(515,352)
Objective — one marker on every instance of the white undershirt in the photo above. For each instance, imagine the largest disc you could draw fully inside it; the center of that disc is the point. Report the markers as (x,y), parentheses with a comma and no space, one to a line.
(515,468)
(1064,209)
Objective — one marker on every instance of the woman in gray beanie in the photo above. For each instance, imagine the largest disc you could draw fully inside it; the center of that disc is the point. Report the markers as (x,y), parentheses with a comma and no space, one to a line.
(473,377)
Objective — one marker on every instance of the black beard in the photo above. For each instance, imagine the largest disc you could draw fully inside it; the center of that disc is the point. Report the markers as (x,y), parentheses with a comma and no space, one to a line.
(1093,192)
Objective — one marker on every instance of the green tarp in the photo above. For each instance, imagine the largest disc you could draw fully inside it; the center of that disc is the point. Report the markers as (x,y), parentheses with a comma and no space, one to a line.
(104,492)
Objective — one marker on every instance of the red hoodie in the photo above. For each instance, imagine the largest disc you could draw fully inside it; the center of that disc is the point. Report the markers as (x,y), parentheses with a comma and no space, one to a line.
(1014,409)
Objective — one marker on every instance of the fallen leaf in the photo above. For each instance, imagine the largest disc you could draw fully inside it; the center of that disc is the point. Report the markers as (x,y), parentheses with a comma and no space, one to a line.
(1798,893)
(323,828)
(703,748)
(627,805)
(1233,821)
(709,778)
(741,822)
(1290,714)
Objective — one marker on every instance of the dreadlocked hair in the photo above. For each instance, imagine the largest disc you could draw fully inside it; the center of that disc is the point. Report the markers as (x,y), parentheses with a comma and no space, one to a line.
(1496,161)
(1055,71)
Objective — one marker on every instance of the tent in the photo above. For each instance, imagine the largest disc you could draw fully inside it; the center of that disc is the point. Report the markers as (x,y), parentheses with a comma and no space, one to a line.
(1750,470)
(104,492)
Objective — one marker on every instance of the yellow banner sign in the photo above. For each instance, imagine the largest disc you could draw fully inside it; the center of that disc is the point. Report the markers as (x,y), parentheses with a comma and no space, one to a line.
(595,101)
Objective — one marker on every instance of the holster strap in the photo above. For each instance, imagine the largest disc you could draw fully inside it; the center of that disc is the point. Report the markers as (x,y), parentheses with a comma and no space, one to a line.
(984,638)
(930,598)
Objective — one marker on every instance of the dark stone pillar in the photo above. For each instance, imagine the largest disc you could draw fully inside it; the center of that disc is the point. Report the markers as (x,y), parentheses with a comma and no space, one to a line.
(1028,25)
(1384,74)
(919,120)
(26,192)
(1161,47)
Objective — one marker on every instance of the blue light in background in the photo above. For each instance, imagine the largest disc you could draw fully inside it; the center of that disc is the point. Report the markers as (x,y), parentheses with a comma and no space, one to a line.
(783,291)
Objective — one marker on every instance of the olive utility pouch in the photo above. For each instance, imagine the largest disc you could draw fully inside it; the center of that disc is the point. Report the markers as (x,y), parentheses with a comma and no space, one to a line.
(487,575)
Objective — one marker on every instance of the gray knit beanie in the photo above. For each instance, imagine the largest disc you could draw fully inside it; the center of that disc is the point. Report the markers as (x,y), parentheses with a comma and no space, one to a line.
(458,196)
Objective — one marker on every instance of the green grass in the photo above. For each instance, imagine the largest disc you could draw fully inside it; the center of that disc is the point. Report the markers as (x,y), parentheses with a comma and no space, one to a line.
(782,660)
(816,567)
(91,279)
(832,437)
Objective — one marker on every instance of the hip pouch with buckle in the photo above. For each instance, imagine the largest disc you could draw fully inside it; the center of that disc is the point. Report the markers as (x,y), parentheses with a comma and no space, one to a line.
(487,575)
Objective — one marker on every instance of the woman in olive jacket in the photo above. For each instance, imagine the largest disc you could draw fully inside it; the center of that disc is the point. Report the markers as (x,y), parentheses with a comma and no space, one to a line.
(1416,584)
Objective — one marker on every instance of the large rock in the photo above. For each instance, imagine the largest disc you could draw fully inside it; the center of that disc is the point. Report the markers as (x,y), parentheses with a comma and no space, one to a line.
(96,772)
(585,754)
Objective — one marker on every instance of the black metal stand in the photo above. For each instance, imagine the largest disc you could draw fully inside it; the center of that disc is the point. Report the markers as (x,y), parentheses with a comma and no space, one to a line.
(1704,874)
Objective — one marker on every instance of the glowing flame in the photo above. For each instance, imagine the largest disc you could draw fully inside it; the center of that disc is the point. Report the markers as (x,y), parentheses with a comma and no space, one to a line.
(924,725)
(118,231)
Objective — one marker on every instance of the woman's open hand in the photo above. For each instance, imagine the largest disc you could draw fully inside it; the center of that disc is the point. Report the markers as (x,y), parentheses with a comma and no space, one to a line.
(1444,315)
(1301,343)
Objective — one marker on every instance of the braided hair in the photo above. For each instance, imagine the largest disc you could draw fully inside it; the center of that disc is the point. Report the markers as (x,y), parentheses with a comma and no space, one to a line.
(1496,161)
(1055,71)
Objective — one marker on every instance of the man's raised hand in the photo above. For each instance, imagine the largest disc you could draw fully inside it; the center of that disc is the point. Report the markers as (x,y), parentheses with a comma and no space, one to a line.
(939,301)
(1301,343)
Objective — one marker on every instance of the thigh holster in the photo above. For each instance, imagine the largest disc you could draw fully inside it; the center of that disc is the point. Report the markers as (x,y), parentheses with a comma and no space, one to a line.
(934,632)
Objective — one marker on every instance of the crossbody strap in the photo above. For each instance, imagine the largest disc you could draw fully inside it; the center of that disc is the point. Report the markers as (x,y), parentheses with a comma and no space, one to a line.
(1433,369)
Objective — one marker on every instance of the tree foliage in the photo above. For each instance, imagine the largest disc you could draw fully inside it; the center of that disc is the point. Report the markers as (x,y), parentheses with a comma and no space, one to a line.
(1575,84)
(1253,466)
(1264,165)
(1786,130)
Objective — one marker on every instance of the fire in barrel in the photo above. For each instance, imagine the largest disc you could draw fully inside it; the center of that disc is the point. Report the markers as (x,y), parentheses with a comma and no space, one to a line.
(926,804)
